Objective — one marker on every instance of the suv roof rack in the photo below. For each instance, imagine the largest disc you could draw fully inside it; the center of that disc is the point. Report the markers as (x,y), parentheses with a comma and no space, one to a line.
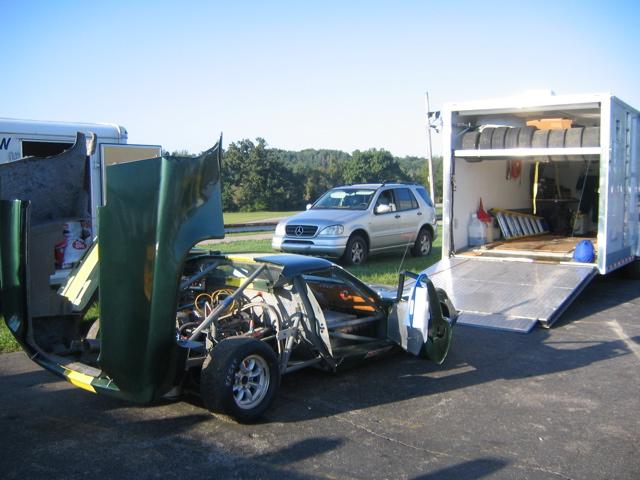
(381,184)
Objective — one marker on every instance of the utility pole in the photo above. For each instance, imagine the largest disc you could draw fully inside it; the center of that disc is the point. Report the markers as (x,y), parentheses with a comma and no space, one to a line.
(430,156)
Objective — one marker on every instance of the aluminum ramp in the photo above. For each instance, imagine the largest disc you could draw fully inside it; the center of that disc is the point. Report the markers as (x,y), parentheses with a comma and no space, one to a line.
(507,294)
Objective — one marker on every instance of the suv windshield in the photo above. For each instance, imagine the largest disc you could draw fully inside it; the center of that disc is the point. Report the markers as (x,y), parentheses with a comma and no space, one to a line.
(346,198)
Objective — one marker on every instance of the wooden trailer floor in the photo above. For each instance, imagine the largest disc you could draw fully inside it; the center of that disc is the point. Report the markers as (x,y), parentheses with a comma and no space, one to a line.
(542,247)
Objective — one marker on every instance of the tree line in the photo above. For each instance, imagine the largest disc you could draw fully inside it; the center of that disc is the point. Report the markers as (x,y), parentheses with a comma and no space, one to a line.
(258,178)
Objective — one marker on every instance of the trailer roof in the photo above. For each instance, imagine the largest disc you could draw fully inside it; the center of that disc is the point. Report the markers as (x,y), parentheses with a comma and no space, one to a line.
(60,129)
(531,100)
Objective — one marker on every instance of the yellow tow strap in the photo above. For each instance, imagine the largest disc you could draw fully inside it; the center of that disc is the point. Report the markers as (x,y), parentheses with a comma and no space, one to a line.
(535,187)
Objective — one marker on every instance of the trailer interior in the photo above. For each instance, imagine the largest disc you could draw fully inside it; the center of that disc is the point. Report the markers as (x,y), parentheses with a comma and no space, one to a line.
(552,176)
(516,177)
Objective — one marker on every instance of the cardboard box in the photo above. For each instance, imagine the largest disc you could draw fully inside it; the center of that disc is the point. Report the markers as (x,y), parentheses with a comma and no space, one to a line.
(551,123)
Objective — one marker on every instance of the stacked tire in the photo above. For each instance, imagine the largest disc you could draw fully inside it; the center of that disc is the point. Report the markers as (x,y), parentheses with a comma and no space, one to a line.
(530,137)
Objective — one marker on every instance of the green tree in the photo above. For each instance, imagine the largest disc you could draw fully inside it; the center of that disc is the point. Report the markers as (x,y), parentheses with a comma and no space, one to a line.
(335,171)
(256,180)
(373,166)
(255,177)
(413,167)
(315,182)
(316,171)
(423,178)
(310,158)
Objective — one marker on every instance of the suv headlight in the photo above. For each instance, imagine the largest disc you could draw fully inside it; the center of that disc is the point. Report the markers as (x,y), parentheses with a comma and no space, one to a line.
(280,229)
(332,230)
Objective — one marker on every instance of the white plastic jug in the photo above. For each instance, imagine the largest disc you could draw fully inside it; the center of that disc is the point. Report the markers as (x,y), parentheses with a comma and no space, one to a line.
(488,231)
(477,231)
(579,223)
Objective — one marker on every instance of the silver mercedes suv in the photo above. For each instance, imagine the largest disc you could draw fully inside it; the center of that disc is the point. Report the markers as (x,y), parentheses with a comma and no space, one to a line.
(350,222)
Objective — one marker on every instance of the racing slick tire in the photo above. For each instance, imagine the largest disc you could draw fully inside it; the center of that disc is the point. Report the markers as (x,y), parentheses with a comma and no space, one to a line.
(356,252)
(94,330)
(240,378)
(423,244)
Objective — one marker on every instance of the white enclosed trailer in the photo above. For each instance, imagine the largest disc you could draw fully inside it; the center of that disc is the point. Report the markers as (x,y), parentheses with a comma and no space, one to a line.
(33,138)
(552,171)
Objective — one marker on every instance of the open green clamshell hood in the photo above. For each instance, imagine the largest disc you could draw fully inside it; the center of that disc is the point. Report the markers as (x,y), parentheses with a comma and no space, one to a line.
(156,210)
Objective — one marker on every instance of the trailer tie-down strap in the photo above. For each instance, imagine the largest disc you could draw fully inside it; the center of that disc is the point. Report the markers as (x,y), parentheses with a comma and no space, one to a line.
(535,187)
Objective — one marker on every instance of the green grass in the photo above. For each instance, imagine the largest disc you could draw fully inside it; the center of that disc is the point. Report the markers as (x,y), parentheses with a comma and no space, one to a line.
(239,245)
(245,234)
(240,217)
(7,341)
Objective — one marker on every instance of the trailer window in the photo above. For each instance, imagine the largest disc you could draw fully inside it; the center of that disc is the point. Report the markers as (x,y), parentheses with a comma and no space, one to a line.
(44,149)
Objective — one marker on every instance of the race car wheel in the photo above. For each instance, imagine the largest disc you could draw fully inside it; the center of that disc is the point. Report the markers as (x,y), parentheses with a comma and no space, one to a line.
(240,378)
(422,247)
(356,251)
(94,330)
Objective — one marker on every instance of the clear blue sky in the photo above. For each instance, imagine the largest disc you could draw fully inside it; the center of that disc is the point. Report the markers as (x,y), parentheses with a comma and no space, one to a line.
(342,74)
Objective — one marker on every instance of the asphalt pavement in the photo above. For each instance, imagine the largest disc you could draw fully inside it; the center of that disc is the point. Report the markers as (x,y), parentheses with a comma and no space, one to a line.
(559,403)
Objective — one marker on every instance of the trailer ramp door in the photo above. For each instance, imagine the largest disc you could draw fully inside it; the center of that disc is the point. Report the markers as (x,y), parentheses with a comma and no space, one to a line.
(509,295)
